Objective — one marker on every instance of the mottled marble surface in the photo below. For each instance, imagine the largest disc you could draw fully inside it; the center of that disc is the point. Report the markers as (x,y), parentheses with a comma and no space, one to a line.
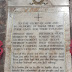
(56,3)
(3,27)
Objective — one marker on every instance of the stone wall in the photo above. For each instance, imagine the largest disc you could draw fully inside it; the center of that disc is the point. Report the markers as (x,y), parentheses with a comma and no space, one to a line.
(2,30)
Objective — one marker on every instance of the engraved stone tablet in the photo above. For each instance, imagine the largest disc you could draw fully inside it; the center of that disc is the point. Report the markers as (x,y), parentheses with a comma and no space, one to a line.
(38,37)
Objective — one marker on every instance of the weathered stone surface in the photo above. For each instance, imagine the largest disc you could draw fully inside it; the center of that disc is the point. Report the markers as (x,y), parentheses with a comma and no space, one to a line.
(2,30)
(16,14)
(3,26)
(34,2)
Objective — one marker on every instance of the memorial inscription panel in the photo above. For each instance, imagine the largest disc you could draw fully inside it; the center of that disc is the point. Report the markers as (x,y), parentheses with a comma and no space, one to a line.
(38,42)
(37,39)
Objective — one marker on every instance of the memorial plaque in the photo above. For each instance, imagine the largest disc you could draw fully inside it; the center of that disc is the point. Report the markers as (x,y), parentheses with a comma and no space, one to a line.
(37,37)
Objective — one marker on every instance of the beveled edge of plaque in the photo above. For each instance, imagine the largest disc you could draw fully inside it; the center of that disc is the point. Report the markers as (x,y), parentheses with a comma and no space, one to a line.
(37,3)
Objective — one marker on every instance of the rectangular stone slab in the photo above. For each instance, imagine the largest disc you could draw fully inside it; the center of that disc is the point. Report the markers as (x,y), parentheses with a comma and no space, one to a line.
(37,27)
